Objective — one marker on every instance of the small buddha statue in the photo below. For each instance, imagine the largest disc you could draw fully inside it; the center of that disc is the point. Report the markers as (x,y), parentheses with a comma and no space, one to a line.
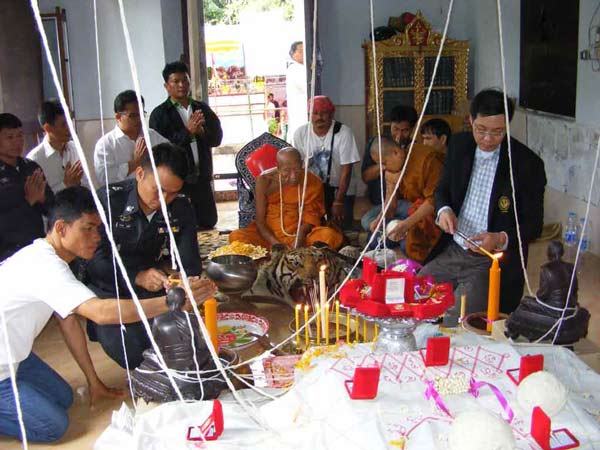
(174,337)
(535,317)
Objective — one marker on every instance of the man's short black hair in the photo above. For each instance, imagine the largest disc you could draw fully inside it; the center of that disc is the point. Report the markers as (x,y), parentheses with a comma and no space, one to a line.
(124,98)
(174,67)
(70,204)
(294,47)
(50,110)
(490,102)
(169,155)
(439,127)
(404,113)
(8,120)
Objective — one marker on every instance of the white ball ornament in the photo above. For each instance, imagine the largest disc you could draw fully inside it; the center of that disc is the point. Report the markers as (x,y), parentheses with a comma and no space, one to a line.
(544,390)
(480,430)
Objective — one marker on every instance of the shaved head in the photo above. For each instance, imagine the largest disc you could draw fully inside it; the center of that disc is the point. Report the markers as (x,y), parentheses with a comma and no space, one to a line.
(289,166)
(392,154)
(288,155)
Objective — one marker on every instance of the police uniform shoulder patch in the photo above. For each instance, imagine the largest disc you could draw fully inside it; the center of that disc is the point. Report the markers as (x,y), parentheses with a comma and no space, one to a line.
(125,218)
(504,203)
(116,188)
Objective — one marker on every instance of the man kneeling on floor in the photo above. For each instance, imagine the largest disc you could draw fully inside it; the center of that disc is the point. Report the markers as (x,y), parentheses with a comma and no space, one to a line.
(278,198)
(36,283)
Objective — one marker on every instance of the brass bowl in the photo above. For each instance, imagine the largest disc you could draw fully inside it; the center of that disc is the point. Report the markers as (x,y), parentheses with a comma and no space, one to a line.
(233,274)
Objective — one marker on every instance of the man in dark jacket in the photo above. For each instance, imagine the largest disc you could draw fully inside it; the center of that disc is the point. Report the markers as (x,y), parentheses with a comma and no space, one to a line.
(196,128)
(474,196)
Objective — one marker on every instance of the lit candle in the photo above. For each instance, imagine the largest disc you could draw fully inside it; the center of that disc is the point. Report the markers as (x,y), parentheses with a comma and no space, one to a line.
(494,293)
(298,307)
(365,330)
(463,306)
(347,327)
(318,325)
(337,321)
(322,294)
(356,327)
(326,323)
(210,321)
(306,326)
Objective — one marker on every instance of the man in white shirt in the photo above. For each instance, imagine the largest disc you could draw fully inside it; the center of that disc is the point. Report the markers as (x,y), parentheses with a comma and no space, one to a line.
(331,149)
(295,87)
(56,154)
(35,284)
(124,146)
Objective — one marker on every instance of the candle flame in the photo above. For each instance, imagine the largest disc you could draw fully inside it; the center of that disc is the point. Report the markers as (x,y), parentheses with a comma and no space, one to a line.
(498,255)
(323,267)
(305,307)
(298,307)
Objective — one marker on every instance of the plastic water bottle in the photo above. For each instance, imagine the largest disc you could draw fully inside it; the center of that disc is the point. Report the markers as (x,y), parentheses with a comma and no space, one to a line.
(571,236)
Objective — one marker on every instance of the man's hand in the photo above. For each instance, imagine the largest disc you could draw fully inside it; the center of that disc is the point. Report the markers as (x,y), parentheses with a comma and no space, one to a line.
(374,223)
(202,290)
(448,221)
(152,280)
(337,211)
(399,231)
(489,241)
(73,174)
(35,187)
(98,390)
(196,122)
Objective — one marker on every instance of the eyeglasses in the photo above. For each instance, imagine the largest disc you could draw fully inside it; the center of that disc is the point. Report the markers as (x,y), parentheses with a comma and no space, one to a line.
(483,132)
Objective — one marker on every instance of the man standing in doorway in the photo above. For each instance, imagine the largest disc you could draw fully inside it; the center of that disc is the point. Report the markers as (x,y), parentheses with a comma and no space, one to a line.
(295,83)
(192,125)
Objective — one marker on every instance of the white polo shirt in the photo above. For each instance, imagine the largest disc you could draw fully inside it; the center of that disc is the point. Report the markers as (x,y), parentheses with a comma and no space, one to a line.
(119,149)
(53,164)
(34,283)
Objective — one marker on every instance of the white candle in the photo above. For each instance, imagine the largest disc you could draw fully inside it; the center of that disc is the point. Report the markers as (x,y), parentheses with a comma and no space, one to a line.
(323,294)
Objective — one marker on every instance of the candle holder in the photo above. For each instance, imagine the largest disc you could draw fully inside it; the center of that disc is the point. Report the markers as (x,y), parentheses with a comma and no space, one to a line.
(395,333)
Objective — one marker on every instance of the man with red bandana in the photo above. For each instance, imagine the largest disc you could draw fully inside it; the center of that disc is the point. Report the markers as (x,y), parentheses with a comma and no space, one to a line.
(331,149)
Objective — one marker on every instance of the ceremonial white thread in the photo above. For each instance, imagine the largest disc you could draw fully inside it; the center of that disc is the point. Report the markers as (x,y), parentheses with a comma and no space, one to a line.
(101,211)
(175,251)
(281,206)
(310,115)
(381,180)
(13,382)
(115,275)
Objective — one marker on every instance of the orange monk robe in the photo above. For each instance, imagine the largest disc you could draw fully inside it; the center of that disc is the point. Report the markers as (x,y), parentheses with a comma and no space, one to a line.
(313,212)
(418,185)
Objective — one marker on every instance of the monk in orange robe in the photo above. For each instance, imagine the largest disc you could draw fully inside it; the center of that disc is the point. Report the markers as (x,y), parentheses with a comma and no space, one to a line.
(421,176)
(278,197)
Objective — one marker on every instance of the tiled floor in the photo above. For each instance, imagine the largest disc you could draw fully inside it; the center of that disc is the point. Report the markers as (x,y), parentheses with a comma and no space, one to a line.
(87,425)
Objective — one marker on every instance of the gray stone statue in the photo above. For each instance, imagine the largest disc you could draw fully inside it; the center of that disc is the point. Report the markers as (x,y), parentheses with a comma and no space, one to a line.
(533,319)
(173,336)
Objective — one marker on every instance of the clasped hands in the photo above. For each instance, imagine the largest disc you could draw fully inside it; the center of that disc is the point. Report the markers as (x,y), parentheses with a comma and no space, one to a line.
(490,241)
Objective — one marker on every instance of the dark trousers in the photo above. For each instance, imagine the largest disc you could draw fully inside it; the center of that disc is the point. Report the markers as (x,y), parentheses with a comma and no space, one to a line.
(348,206)
(469,274)
(201,195)
(109,337)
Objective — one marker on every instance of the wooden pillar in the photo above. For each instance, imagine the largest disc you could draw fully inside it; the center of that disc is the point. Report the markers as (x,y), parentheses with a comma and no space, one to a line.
(197,53)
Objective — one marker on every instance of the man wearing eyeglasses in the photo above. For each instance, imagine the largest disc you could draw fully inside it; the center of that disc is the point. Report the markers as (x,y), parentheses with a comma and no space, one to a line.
(118,153)
(474,196)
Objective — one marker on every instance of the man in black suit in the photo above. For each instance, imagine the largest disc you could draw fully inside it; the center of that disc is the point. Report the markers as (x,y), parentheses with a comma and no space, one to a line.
(474,196)
(195,127)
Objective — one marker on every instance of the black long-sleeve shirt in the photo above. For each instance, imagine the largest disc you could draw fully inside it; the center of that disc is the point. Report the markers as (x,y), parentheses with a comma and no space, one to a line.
(20,223)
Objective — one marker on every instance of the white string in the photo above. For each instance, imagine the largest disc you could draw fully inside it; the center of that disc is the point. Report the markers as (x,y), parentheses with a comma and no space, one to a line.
(13,382)
(376,85)
(100,208)
(313,69)
(175,251)
(115,275)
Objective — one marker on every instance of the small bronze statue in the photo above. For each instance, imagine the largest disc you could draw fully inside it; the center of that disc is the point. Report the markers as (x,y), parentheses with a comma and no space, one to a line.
(533,319)
(173,336)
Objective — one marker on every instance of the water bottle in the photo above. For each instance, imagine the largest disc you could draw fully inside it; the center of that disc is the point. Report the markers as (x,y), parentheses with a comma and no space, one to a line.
(571,236)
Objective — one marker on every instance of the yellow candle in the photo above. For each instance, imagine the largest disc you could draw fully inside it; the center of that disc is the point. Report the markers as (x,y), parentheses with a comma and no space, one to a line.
(463,306)
(365,330)
(210,321)
(356,327)
(375,332)
(306,326)
(322,294)
(347,327)
(326,324)
(337,321)
(297,311)
(493,294)
(318,321)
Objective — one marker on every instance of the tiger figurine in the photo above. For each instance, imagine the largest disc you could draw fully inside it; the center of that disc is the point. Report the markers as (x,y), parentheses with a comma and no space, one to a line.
(290,273)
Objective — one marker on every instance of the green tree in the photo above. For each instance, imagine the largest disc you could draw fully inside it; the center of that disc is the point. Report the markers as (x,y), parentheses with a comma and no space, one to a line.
(228,11)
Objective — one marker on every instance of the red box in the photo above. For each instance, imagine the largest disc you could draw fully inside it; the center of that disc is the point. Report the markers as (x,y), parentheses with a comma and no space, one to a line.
(365,383)
(437,351)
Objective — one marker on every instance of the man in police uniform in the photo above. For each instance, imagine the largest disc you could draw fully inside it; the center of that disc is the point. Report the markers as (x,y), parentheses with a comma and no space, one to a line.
(141,234)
